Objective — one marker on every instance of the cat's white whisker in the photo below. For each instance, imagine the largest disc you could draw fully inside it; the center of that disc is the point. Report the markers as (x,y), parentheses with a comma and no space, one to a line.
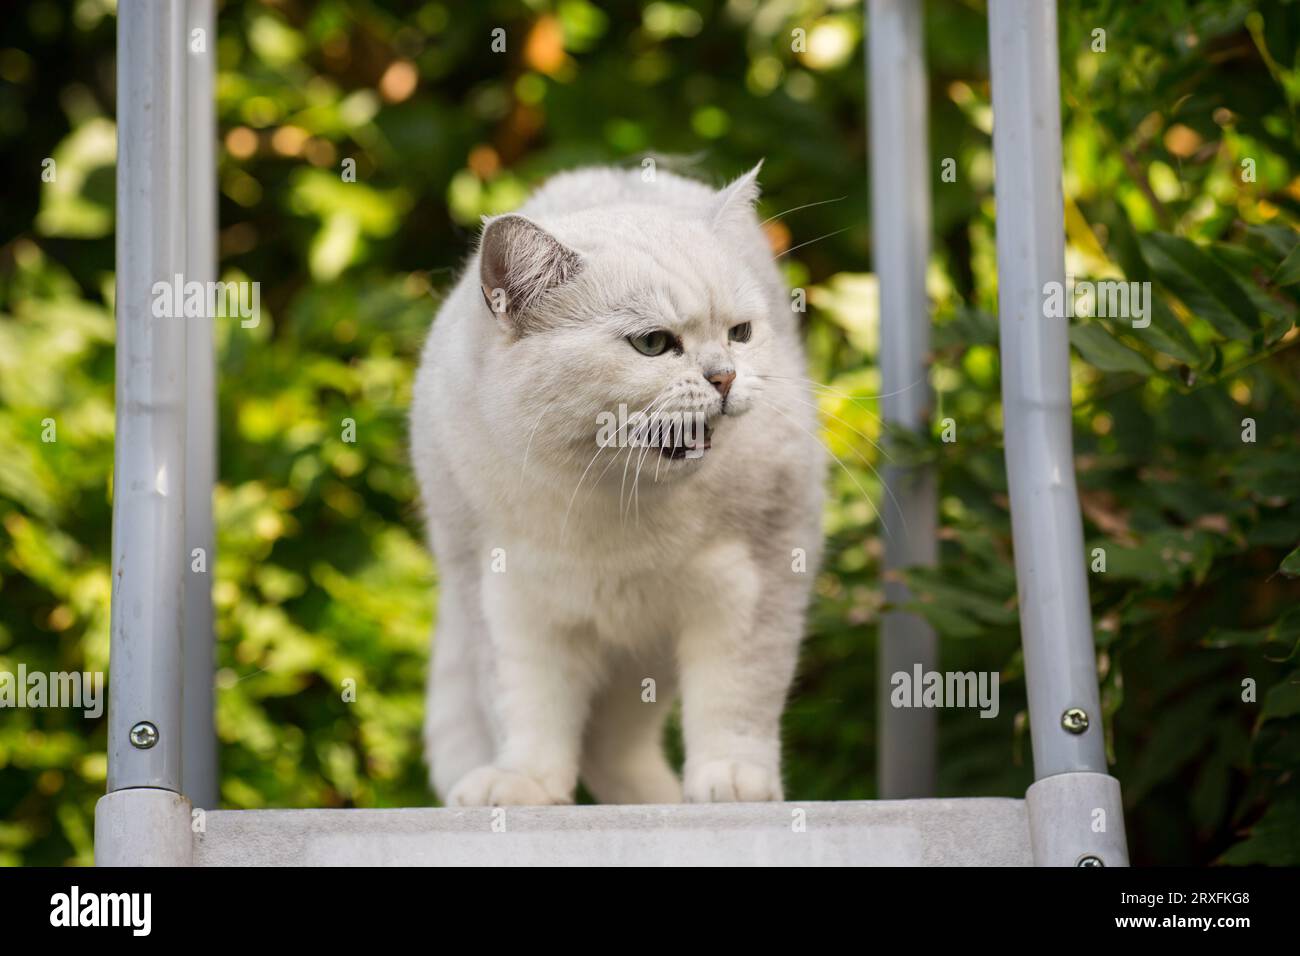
(636,486)
(638,474)
(807,205)
(648,430)
(662,397)
(524,467)
(884,526)
(817,407)
(635,495)
(810,242)
(838,392)
(613,440)
(613,460)
(576,488)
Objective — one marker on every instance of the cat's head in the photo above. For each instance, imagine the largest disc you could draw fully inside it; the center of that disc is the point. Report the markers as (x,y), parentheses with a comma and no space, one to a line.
(633,333)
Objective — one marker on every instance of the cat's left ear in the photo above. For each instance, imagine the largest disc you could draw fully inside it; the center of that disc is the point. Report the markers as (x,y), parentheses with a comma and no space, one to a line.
(519,262)
(734,204)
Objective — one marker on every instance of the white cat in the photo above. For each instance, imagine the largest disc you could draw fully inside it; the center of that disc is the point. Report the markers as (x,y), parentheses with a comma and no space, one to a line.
(588,579)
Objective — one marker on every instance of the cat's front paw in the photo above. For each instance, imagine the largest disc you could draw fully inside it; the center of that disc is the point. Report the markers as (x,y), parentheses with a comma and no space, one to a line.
(498,787)
(731,781)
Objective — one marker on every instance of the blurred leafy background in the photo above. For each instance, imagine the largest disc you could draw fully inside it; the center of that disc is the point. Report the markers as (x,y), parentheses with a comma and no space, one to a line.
(1181,151)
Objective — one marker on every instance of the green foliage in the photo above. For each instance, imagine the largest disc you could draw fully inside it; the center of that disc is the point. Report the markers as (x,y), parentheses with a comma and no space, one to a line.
(1181,149)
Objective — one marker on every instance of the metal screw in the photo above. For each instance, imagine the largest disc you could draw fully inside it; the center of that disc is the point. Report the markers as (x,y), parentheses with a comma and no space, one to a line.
(144,735)
(1075,720)
(1090,860)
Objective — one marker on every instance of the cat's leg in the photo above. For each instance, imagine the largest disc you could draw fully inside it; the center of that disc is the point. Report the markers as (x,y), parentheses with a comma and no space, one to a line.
(457,734)
(623,757)
(544,675)
(737,652)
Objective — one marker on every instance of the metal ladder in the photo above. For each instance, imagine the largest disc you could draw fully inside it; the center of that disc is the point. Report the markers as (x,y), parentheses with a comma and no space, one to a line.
(162,740)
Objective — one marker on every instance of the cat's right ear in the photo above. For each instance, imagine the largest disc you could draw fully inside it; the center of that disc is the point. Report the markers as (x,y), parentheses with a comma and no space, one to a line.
(519,262)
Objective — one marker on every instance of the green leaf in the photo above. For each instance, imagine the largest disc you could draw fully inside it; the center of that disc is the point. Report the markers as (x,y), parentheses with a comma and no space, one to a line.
(78,202)
(1209,796)
(1273,242)
(946,621)
(1291,564)
(1275,839)
(1278,642)
(1221,638)
(1123,246)
(1288,272)
(1168,334)
(1167,558)
(1101,349)
(1282,700)
(1204,286)
(1286,634)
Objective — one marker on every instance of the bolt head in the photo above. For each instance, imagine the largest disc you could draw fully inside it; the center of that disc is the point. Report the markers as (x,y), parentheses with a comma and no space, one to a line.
(144,735)
(1075,720)
(1090,860)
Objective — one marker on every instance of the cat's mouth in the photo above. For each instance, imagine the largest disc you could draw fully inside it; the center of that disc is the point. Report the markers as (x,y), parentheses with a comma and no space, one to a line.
(690,443)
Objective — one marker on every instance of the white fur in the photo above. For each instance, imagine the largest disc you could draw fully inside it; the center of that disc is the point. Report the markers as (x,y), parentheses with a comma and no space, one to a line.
(619,565)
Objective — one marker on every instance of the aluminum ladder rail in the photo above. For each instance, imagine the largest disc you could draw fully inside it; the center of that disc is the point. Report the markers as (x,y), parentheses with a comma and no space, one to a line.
(161,735)
(1074,805)
(161,740)
(900,221)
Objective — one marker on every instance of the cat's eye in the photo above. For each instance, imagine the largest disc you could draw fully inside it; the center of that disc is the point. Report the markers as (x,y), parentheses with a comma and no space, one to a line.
(651,343)
(741,332)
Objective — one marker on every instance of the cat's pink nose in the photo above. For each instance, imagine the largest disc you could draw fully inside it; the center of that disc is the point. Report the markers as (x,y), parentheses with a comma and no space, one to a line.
(722,381)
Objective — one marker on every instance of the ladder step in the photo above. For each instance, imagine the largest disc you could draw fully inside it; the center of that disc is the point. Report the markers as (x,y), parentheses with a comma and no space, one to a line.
(953,832)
